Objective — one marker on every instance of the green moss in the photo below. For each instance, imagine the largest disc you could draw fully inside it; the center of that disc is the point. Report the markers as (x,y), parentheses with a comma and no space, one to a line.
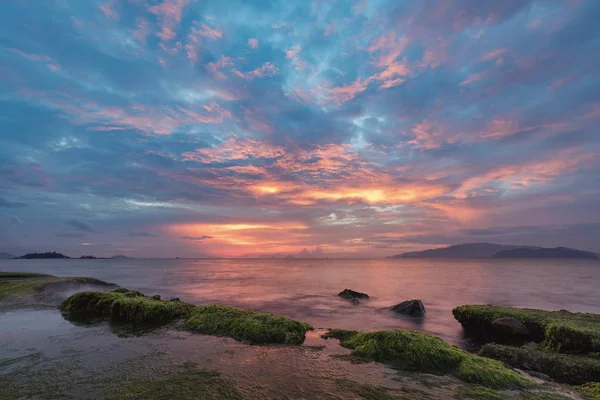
(477,392)
(542,396)
(124,306)
(246,325)
(591,390)
(22,288)
(187,384)
(560,331)
(572,369)
(429,354)
(490,373)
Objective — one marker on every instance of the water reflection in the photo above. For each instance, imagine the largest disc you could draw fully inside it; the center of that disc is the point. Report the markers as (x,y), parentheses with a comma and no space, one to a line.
(306,289)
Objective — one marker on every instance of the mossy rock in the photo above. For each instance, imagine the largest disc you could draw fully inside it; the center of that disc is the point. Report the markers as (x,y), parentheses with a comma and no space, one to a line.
(425,353)
(125,306)
(591,390)
(560,331)
(246,325)
(20,288)
(563,368)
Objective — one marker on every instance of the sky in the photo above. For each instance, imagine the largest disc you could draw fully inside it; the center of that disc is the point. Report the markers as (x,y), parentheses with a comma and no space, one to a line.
(338,128)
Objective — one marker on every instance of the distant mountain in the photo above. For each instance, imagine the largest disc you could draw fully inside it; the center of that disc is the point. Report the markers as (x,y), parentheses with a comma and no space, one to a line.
(556,252)
(467,250)
(492,250)
(32,256)
(6,256)
(120,257)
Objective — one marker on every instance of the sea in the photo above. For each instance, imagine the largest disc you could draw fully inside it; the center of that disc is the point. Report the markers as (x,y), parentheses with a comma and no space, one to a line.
(303,289)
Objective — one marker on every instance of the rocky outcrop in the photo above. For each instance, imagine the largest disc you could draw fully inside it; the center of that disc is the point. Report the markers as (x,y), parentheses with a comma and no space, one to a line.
(352,295)
(414,308)
(562,368)
(511,325)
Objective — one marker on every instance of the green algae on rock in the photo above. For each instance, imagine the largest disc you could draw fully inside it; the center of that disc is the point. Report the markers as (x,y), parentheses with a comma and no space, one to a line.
(127,306)
(189,383)
(560,331)
(571,369)
(428,354)
(591,390)
(246,325)
(21,288)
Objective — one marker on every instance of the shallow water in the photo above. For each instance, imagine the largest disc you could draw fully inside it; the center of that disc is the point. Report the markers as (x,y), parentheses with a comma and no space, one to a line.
(47,357)
(306,289)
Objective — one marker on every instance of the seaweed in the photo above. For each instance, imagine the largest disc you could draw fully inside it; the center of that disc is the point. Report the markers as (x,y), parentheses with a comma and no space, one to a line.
(246,325)
(425,353)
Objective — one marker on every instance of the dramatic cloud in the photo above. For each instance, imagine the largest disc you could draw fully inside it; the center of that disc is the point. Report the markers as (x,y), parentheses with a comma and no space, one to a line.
(198,128)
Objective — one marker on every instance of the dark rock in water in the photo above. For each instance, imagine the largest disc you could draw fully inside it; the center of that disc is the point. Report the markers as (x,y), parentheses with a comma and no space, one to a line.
(156,297)
(563,368)
(355,302)
(414,308)
(511,325)
(350,294)
(175,299)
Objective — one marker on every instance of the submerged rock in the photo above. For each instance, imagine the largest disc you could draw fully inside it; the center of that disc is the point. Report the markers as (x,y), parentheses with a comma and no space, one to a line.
(563,368)
(414,308)
(512,325)
(350,294)
(355,302)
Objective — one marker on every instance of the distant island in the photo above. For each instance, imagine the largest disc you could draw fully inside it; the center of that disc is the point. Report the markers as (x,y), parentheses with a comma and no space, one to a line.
(6,256)
(55,255)
(34,256)
(493,250)
(556,252)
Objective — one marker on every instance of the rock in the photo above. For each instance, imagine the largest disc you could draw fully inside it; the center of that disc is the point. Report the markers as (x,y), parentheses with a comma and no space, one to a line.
(414,308)
(350,294)
(531,346)
(156,297)
(175,299)
(563,368)
(511,325)
(355,302)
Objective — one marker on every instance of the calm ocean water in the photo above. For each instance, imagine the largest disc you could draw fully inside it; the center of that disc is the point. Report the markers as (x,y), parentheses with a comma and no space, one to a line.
(306,289)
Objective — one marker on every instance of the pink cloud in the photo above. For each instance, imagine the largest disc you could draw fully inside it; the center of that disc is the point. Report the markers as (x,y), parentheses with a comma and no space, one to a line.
(253,43)
(388,48)
(492,55)
(347,92)
(142,30)
(473,78)
(267,70)
(503,127)
(292,54)
(32,56)
(207,31)
(166,34)
(215,67)
(595,113)
(169,13)
(108,9)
